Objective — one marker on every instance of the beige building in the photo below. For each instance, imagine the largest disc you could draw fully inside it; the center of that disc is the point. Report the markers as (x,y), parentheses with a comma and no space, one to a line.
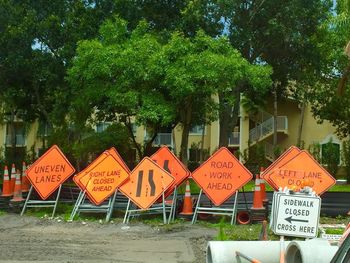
(252,130)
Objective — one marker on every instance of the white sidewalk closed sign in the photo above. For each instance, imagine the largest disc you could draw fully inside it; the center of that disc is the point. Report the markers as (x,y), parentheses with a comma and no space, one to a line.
(296,215)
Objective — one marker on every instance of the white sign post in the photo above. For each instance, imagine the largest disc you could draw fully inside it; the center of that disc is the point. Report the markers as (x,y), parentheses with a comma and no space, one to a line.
(296,215)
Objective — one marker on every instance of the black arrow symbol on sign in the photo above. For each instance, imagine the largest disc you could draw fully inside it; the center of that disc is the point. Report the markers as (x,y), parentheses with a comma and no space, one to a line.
(290,219)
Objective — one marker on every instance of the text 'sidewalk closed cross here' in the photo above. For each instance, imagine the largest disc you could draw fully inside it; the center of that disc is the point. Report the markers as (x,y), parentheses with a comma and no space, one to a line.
(147,183)
(50,171)
(296,215)
(221,175)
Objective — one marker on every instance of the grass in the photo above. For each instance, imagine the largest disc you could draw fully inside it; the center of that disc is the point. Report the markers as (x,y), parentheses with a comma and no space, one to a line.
(2,213)
(334,231)
(63,211)
(340,188)
(334,220)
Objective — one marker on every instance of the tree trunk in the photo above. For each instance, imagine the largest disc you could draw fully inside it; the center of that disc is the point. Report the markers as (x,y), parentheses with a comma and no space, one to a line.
(301,123)
(186,119)
(274,121)
(174,140)
(228,117)
(201,154)
(11,138)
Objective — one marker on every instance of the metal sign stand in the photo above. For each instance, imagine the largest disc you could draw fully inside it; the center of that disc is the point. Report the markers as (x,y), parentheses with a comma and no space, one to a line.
(41,203)
(216,210)
(83,205)
(163,208)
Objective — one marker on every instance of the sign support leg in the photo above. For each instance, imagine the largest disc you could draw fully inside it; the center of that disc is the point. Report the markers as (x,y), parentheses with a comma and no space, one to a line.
(27,199)
(111,206)
(173,207)
(194,219)
(57,197)
(164,213)
(234,213)
(126,217)
(76,206)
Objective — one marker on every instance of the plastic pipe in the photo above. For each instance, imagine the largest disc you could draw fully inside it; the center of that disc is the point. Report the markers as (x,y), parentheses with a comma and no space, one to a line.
(243,218)
(224,251)
(310,251)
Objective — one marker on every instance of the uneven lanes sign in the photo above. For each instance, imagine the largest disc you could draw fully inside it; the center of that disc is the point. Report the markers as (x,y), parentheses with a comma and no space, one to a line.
(50,171)
(104,179)
(300,169)
(147,183)
(297,215)
(221,175)
(170,163)
(283,158)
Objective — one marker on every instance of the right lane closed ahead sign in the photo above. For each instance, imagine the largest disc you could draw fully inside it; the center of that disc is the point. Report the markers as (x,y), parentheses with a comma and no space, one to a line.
(296,215)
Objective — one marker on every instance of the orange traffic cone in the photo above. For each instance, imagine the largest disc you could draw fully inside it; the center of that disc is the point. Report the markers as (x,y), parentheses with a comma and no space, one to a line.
(187,205)
(17,193)
(25,181)
(262,187)
(257,201)
(6,185)
(13,177)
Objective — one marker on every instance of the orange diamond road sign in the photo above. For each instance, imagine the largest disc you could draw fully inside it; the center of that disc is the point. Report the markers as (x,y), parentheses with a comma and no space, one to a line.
(117,156)
(48,172)
(221,175)
(104,179)
(147,183)
(300,169)
(81,179)
(285,157)
(170,163)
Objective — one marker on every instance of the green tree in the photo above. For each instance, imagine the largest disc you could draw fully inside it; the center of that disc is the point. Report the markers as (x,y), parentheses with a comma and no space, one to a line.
(330,101)
(113,79)
(277,33)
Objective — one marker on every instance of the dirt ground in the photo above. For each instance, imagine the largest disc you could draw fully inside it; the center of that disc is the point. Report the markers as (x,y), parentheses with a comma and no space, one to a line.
(30,239)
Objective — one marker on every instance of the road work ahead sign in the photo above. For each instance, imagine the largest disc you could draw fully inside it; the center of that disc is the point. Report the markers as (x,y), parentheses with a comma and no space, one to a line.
(296,215)
(221,175)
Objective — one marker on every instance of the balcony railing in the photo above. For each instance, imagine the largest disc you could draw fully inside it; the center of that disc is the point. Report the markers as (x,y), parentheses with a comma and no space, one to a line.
(20,140)
(265,128)
(234,138)
(163,139)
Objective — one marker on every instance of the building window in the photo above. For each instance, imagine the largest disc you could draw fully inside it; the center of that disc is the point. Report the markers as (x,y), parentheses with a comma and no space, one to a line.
(330,153)
(15,134)
(197,129)
(102,126)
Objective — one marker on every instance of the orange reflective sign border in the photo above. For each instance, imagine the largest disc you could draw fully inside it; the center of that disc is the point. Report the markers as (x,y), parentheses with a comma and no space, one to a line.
(170,163)
(221,175)
(285,157)
(147,183)
(50,171)
(81,179)
(104,179)
(301,169)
